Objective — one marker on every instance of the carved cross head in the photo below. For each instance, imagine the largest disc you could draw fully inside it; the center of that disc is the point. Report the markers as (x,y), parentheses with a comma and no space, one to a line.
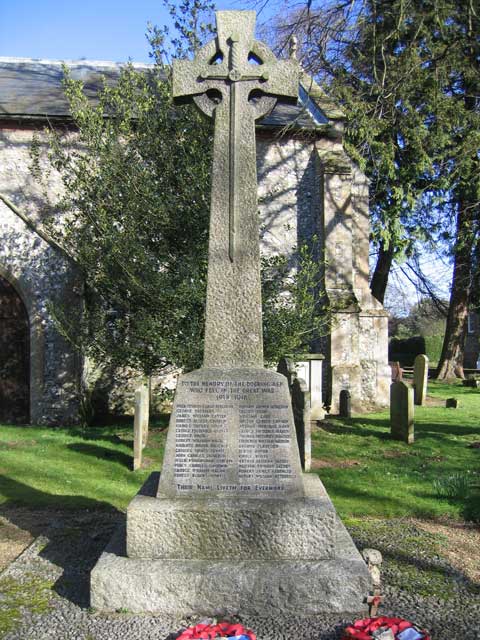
(235,58)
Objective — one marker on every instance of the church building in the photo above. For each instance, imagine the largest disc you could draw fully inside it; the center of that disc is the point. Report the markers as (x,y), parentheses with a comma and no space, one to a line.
(307,186)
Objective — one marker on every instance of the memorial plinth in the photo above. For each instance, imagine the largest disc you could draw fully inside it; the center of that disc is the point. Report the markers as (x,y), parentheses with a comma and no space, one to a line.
(292,577)
(232,525)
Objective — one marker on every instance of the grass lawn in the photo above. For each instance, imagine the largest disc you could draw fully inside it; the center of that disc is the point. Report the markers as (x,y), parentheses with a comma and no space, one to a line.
(74,467)
(365,472)
(368,473)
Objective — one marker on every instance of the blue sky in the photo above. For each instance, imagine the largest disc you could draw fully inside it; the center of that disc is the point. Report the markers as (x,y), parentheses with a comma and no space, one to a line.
(94,29)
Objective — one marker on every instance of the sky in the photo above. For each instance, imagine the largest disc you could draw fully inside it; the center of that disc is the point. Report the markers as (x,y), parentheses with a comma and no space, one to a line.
(403,292)
(93,29)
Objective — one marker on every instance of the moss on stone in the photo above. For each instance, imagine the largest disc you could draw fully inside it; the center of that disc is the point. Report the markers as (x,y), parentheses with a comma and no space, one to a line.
(32,594)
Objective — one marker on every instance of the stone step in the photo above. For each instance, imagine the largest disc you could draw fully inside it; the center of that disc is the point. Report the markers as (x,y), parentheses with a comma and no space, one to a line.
(232,528)
(225,588)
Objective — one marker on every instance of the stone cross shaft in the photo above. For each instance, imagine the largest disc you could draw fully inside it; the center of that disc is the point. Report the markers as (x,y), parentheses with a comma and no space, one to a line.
(236,80)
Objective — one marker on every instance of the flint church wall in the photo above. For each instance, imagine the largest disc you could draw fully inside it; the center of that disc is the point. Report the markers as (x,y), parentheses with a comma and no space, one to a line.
(44,278)
(308,187)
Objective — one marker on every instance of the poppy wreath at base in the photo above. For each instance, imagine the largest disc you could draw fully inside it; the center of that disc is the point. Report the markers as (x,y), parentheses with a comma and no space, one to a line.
(218,630)
(384,628)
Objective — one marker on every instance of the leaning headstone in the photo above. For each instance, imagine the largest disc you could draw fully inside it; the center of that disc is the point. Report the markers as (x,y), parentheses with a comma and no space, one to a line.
(420,378)
(144,416)
(345,404)
(302,419)
(140,425)
(232,525)
(401,412)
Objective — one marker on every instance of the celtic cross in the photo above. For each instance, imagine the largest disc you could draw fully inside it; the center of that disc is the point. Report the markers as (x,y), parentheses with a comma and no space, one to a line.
(236,80)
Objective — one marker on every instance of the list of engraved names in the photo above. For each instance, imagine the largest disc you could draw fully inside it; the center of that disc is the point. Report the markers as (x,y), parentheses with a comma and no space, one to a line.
(230,437)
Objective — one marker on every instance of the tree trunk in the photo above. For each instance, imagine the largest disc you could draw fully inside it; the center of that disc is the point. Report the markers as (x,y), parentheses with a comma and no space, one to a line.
(379,281)
(466,243)
(451,360)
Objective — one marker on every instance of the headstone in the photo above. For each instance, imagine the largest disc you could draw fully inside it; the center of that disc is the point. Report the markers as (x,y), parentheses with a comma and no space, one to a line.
(401,412)
(145,415)
(140,425)
(309,369)
(345,404)
(302,419)
(301,405)
(232,525)
(420,378)
(451,403)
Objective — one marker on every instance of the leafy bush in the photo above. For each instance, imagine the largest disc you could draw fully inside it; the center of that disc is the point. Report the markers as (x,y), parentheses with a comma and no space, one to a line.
(406,350)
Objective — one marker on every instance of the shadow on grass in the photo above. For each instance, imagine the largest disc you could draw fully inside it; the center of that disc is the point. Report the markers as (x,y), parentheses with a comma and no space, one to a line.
(363,427)
(433,428)
(76,536)
(102,453)
(357,427)
(468,504)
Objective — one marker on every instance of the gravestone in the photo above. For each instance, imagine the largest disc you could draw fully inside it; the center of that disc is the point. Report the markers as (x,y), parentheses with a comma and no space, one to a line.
(401,412)
(302,409)
(451,403)
(309,368)
(420,378)
(232,525)
(140,425)
(345,404)
(302,419)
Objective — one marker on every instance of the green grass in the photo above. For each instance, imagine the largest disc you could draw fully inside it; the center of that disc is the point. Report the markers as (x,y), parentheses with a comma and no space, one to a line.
(74,467)
(393,479)
(91,468)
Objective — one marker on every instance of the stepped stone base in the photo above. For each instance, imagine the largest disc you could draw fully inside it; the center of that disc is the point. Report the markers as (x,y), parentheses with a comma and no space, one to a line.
(209,528)
(270,582)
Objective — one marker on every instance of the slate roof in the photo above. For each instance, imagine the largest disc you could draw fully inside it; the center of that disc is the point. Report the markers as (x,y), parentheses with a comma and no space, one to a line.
(32,90)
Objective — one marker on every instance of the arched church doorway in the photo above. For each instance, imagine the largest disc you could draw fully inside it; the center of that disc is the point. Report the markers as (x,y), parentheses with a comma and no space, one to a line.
(14,356)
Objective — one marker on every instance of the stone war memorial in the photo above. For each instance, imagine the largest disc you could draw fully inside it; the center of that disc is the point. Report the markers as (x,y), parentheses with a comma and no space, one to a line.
(232,525)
